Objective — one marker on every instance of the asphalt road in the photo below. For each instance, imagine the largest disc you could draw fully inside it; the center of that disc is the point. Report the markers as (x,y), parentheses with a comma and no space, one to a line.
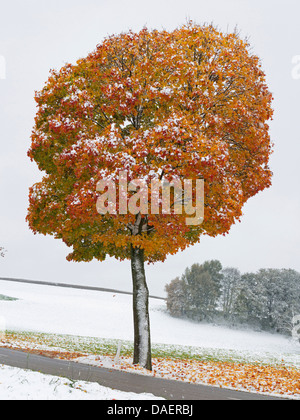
(123,381)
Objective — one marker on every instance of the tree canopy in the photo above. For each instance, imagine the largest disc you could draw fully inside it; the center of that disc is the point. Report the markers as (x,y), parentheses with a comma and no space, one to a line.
(187,104)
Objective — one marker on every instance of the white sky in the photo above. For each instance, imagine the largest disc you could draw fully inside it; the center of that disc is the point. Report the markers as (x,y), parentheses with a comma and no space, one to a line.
(36,36)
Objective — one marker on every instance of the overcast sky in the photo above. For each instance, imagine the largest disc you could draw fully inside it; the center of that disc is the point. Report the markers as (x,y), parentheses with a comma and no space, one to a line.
(37,35)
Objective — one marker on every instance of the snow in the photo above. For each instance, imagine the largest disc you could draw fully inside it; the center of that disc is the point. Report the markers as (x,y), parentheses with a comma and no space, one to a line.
(166,91)
(21,384)
(86,313)
(107,315)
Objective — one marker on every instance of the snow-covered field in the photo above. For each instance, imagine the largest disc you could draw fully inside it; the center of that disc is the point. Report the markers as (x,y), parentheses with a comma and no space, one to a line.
(106,315)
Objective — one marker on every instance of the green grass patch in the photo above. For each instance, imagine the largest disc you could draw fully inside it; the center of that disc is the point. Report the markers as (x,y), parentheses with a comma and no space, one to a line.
(108,347)
(3,297)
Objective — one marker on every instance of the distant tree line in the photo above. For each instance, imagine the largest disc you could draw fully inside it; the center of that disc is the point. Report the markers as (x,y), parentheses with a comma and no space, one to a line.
(267,300)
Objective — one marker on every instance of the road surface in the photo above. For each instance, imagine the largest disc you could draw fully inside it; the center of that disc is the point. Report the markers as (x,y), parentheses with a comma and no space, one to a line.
(123,381)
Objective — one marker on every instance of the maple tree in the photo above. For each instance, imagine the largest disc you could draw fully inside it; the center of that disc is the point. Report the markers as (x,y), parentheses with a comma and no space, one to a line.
(185,104)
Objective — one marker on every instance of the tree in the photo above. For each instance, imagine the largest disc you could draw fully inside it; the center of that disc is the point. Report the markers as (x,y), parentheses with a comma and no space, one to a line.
(183,105)
(269,299)
(201,285)
(230,284)
(176,297)
(279,298)
(248,305)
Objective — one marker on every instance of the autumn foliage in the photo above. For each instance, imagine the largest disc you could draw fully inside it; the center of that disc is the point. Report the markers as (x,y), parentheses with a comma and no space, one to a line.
(188,104)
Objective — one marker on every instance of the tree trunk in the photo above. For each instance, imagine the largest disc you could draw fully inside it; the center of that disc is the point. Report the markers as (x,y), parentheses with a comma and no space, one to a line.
(142,341)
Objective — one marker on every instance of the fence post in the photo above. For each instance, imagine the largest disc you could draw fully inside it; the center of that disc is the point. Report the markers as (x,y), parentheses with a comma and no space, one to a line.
(116,360)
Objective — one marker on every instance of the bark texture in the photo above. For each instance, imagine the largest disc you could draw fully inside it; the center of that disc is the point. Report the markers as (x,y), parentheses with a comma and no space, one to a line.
(142,340)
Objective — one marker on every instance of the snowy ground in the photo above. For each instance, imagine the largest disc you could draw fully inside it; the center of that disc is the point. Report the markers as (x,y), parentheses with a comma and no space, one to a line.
(106,315)
(20,384)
